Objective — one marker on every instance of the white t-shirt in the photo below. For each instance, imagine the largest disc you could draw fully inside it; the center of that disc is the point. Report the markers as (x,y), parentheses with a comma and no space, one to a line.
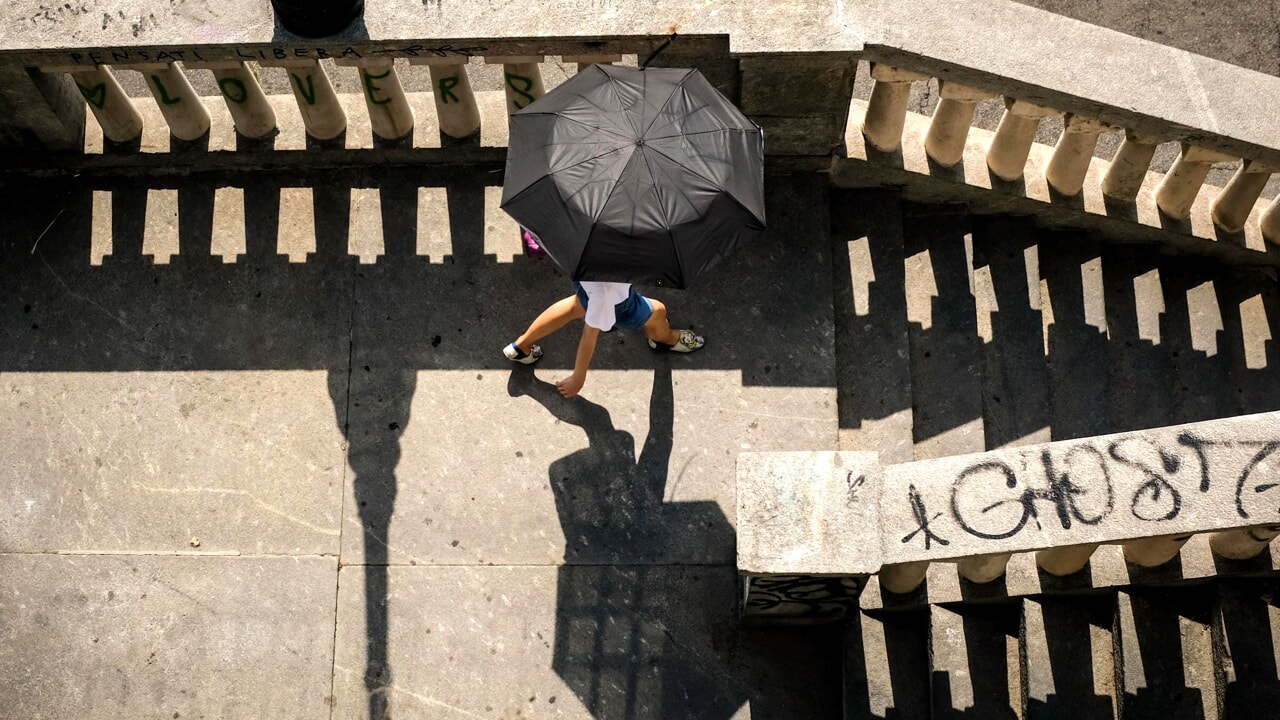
(602,296)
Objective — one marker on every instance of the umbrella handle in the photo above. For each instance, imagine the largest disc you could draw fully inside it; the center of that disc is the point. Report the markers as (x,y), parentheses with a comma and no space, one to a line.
(659,49)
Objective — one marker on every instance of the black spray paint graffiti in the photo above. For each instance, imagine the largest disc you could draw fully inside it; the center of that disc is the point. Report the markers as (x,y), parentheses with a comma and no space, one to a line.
(801,596)
(922,520)
(990,501)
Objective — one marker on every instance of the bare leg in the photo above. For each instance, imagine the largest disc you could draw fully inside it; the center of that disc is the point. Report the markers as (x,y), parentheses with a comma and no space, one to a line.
(552,319)
(658,328)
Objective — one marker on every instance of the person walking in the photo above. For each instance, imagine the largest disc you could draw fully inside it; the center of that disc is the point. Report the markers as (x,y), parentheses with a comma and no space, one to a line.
(603,307)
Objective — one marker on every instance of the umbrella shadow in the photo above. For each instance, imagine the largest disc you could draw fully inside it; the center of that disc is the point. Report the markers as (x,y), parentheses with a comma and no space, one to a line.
(636,639)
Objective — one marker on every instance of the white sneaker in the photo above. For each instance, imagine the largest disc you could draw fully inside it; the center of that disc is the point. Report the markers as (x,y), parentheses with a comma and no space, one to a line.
(688,343)
(515,354)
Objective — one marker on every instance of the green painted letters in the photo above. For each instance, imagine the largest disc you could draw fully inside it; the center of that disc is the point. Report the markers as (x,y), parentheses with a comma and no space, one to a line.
(164,94)
(447,84)
(307,93)
(233,89)
(96,95)
(513,82)
(370,88)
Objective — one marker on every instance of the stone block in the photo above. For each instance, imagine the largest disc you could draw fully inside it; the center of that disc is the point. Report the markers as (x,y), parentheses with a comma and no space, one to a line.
(1180,479)
(797,87)
(808,513)
(815,135)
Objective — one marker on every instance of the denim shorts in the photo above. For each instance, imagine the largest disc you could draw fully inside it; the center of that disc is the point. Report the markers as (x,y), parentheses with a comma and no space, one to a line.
(630,314)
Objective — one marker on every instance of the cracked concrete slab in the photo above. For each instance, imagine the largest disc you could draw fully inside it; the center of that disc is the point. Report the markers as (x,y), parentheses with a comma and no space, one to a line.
(101,636)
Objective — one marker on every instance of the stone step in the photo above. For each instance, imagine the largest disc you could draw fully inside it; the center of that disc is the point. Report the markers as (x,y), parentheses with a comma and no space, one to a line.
(1141,389)
(1193,330)
(946,382)
(1006,278)
(1165,654)
(975,670)
(872,345)
(1075,326)
(886,666)
(1246,633)
(1067,658)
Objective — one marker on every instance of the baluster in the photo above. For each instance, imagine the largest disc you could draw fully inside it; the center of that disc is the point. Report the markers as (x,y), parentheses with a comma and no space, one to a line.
(1154,551)
(521,79)
(1065,560)
(1244,543)
(903,577)
(949,128)
(1177,192)
(1007,156)
(1128,168)
(584,61)
(389,113)
(1270,222)
(887,109)
(1073,153)
(119,119)
(1232,207)
(322,114)
(456,108)
(182,109)
(248,105)
(983,568)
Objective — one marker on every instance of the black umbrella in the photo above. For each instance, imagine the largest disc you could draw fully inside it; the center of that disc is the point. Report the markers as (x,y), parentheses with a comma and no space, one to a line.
(636,175)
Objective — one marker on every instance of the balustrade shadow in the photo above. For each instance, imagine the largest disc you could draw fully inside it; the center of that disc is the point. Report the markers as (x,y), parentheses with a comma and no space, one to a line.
(1163,686)
(1083,338)
(1069,625)
(638,637)
(373,327)
(1249,614)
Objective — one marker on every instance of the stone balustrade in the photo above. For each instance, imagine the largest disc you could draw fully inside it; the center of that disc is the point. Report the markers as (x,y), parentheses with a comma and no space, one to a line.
(821,523)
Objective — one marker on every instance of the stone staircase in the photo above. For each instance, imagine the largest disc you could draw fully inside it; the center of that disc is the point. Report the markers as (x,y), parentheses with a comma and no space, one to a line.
(960,333)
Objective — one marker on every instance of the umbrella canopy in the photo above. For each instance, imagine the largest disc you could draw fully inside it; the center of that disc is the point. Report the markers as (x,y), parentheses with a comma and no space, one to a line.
(636,175)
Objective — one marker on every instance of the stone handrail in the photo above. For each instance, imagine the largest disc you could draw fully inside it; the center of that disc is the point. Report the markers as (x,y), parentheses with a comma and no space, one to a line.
(813,526)
(795,61)
(1098,81)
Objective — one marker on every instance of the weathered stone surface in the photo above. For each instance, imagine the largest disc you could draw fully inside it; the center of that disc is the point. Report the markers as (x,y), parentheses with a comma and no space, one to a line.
(808,513)
(801,86)
(570,642)
(104,636)
(1181,479)
(501,28)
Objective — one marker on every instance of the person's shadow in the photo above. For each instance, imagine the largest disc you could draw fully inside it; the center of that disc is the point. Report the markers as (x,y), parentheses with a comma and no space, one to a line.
(643,630)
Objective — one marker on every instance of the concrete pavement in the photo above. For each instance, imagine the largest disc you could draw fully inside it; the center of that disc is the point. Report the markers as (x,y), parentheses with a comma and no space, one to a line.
(265,488)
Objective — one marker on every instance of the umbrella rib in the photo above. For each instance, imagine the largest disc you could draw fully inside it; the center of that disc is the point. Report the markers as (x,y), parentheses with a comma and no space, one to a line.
(679,187)
(608,131)
(686,168)
(674,90)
